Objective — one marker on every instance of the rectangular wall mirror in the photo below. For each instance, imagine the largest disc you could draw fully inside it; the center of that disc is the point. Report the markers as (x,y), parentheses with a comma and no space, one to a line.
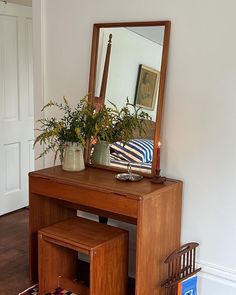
(129,60)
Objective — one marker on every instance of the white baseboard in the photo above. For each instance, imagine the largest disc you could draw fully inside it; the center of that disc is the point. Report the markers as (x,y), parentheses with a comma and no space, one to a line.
(215,279)
(218,273)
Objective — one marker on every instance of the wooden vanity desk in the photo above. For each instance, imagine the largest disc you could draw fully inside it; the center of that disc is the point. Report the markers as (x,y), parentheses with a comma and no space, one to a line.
(155,209)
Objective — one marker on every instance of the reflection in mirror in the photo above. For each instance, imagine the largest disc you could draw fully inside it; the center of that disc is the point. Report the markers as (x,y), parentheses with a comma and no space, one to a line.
(131,47)
(134,72)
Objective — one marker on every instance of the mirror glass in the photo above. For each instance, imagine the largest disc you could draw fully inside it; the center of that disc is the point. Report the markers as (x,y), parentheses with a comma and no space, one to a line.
(131,47)
(134,72)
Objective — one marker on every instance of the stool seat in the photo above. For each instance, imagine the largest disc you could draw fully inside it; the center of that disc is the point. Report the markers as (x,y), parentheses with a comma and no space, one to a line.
(106,246)
(81,233)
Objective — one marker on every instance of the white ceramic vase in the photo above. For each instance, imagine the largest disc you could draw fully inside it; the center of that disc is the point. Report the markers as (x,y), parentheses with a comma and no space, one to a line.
(101,154)
(73,157)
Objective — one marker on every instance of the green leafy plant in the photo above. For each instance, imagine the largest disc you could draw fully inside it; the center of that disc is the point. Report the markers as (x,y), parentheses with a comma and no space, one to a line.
(71,127)
(85,122)
(126,120)
(112,124)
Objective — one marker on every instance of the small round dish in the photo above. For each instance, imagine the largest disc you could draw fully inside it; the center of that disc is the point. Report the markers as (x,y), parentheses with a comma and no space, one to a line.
(128,177)
(135,177)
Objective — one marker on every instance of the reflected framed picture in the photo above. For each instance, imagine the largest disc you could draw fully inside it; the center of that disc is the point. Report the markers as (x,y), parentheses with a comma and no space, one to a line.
(146,87)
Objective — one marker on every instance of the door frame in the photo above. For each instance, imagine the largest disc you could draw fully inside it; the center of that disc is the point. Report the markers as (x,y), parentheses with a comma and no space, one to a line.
(38,17)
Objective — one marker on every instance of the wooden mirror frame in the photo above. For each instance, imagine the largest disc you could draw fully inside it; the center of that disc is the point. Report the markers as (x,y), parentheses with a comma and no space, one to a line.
(93,72)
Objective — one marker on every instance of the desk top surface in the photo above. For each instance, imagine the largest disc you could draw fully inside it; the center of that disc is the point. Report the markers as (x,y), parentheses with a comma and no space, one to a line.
(101,179)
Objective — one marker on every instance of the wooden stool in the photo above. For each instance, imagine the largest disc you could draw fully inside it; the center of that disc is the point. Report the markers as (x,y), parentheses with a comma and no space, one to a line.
(106,246)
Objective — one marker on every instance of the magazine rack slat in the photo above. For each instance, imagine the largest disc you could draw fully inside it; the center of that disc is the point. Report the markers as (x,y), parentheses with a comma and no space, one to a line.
(181,265)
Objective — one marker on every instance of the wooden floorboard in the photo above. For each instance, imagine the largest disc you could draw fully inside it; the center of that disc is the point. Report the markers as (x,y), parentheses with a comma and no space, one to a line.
(14,276)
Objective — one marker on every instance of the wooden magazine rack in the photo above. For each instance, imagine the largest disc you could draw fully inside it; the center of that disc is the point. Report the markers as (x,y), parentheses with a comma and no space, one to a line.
(181,265)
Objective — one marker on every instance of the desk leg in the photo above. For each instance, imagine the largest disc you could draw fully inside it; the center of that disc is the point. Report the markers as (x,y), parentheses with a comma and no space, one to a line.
(103,220)
(43,212)
(158,234)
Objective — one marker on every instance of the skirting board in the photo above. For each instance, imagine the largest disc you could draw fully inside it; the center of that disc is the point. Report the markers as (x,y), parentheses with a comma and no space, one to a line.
(209,286)
(221,274)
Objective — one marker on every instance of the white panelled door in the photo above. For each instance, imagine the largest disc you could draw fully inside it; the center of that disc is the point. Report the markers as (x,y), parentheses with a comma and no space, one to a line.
(16,106)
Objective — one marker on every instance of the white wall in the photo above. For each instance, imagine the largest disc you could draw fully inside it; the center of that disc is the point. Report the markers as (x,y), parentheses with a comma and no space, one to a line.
(198,135)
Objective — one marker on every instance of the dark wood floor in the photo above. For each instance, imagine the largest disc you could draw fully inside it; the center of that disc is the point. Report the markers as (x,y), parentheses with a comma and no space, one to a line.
(14,276)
